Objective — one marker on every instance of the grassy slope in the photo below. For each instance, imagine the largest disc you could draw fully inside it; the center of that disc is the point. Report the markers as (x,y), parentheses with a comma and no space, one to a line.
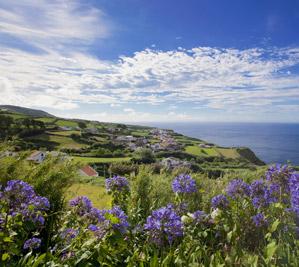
(100,160)
(62,141)
(198,151)
(97,194)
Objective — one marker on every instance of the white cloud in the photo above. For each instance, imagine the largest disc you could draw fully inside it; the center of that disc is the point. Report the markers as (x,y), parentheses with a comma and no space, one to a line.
(49,24)
(66,76)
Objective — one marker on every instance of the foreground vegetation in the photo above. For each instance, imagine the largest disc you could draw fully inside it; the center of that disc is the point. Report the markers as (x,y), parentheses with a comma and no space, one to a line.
(175,218)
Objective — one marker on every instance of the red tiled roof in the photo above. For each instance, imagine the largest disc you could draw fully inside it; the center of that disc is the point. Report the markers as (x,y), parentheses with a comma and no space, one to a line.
(89,171)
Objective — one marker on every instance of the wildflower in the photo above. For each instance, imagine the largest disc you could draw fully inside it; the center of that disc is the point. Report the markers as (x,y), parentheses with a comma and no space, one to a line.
(20,198)
(69,234)
(82,205)
(32,243)
(279,174)
(164,226)
(199,216)
(259,220)
(294,190)
(184,184)
(117,183)
(258,195)
(237,188)
(119,219)
(93,227)
(219,201)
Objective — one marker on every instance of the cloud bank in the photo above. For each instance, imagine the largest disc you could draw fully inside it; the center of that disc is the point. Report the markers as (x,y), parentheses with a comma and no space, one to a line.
(57,73)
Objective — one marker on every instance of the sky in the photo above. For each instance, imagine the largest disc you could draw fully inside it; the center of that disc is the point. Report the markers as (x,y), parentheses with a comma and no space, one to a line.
(150,61)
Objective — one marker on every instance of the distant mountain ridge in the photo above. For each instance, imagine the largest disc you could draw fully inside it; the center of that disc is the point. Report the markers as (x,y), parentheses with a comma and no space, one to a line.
(27,111)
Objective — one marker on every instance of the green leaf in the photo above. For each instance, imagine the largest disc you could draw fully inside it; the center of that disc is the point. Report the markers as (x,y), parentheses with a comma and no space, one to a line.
(5,256)
(270,249)
(274,226)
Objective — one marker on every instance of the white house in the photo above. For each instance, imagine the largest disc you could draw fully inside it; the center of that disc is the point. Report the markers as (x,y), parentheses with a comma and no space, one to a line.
(37,156)
(65,128)
(174,162)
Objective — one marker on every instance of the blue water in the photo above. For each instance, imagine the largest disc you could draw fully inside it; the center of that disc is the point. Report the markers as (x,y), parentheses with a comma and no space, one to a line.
(271,142)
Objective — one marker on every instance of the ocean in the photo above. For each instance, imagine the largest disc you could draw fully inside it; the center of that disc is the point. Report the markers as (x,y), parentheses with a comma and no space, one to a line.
(271,142)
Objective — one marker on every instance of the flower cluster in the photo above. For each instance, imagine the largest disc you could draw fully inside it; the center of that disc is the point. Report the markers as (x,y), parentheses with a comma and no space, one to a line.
(199,216)
(99,221)
(69,234)
(164,226)
(33,243)
(279,174)
(219,201)
(184,184)
(259,220)
(20,199)
(81,204)
(117,183)
(237,188)
(294,190)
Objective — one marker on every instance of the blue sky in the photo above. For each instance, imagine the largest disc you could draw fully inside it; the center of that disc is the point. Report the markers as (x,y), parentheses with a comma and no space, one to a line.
(138,61)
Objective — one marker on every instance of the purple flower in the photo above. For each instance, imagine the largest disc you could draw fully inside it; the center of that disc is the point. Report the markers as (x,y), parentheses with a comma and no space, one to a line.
(258,193)
(32,243)
(119,219)
(93,228)
(237,188)
(69,234)
(199,216)
(259,220)
(82,205)
(20,198)
(294,189)
(279,174)
(117,183)
(164,226)
(184,184)
(219,201)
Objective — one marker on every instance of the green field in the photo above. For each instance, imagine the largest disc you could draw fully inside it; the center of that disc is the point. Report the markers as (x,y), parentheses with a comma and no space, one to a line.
(97,194)
(67,123)
(64,133)
(228,152)
(198,151)
(46,120)
(62,141)
(140,133)
(99,160)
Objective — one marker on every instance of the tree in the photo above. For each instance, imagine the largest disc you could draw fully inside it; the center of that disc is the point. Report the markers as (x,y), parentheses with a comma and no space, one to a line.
(144,155)
(82,125)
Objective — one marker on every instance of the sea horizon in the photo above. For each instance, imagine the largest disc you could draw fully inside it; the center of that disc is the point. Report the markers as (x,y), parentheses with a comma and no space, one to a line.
(272,142)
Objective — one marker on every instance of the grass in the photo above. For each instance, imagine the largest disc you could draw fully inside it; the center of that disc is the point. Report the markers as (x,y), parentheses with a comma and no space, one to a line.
(198,151)
(228,152)
(64,133)
(46,120)
(99,160)
(97,194)
(140,133)
(63,141)
(67,123)
(16,116)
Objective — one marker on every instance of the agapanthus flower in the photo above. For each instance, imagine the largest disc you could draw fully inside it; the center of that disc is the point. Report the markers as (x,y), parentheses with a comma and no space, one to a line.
(199,216)
(279,174)
(164,226)
(237,188)
(82,205)
(32,243)
(259,220)
(69,234)
(119,220)
(117,183)
(219,201)
(184,184)
(294,190)
(20,198)
(258,194)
